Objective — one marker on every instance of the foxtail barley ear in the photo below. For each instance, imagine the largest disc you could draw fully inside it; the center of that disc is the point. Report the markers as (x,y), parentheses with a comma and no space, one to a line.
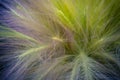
(60,39)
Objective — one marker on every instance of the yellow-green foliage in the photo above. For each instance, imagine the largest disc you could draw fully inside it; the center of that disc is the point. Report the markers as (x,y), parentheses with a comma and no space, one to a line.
(72,39)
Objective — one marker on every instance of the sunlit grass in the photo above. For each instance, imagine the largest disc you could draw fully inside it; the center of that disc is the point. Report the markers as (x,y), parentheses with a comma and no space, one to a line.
(70,39)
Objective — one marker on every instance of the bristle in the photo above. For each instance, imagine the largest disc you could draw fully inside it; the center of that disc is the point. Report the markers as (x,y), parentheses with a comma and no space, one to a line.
(60,39)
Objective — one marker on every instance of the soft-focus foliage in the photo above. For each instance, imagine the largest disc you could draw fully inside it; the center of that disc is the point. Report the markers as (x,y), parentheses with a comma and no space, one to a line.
(60,39)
